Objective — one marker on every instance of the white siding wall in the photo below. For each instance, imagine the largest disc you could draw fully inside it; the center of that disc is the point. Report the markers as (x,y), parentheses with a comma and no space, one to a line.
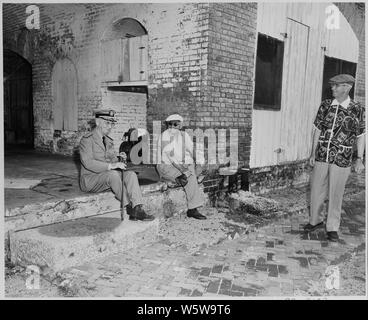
(290,128)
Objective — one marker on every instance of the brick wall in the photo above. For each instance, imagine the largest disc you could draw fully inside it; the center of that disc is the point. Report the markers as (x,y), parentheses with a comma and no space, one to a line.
(131,109)
(178,35)
(355,15)
(228,92)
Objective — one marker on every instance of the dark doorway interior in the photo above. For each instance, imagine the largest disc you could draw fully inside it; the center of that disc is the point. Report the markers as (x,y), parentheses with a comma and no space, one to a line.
(18,107)
(269,64)
(333,67)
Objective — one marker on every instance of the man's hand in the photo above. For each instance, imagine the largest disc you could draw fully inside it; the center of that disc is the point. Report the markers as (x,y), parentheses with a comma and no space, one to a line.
(312,160)
(123,156)
(359,166)
(117,165)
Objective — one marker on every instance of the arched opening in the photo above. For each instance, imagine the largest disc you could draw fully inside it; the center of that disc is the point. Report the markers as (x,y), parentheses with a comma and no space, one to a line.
(124,52)
(18,101)
(124,28)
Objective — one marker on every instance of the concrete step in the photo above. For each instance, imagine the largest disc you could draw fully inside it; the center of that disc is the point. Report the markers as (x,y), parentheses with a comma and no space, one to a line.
(72,243)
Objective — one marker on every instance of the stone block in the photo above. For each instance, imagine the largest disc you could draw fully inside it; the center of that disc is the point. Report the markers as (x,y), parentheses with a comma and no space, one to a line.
(72,243)
(246,202)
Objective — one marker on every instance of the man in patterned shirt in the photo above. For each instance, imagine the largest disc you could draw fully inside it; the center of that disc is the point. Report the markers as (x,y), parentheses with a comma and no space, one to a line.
(339,124)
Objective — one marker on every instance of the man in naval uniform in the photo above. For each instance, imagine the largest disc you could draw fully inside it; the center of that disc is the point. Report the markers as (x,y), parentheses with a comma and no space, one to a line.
(339,124)
(101,169)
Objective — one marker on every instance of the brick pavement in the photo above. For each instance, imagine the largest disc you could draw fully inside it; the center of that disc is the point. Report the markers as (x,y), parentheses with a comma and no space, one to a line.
(278,259)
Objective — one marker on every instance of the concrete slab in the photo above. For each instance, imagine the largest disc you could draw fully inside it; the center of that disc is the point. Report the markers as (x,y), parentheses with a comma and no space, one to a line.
(20,183)
(19,198)
(72,243)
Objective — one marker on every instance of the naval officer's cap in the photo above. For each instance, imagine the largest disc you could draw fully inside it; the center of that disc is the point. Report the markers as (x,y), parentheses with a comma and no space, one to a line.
(108,115)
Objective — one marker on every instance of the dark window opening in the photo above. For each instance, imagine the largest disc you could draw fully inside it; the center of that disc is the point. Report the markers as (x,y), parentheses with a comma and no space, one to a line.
(268,86)
(333,67)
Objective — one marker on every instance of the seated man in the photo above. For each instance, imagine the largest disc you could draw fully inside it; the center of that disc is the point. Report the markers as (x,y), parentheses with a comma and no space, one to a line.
(100,168)
(178,166)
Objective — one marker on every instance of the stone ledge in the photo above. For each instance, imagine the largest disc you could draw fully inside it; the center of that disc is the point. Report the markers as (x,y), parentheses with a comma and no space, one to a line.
(72,243)
(9,212)
(156,202)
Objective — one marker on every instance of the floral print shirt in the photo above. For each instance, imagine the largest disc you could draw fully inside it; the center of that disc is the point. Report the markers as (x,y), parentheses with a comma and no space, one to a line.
(340,125)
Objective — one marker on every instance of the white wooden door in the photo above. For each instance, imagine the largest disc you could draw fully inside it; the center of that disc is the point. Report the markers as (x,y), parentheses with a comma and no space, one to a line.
(64,92)
(293,113)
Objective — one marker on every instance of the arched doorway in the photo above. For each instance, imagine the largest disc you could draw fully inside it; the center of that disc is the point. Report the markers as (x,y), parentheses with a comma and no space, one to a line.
(18,106)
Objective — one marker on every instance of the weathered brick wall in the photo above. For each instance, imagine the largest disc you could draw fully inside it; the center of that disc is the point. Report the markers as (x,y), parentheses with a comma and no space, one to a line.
(131,109)
(228,92)
(355,15)
(265,179)
(177,58)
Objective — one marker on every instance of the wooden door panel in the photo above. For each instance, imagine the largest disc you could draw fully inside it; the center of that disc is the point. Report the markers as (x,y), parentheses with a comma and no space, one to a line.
(293,90)
(125,60)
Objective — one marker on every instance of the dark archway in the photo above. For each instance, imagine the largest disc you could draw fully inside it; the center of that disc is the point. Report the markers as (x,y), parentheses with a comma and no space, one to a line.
(18,101)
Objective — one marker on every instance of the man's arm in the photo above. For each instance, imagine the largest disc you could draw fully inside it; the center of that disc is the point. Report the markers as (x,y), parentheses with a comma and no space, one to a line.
(359,166)
(90,163)
(87,159)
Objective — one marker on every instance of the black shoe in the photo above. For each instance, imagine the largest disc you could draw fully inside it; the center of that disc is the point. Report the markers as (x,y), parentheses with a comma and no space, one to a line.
(332,236)
(310,228)
(193,213)
(139,214)
(129,209)
(182,180)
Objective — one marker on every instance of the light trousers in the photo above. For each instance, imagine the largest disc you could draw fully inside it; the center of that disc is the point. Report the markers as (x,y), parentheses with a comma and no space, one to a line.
(194,194)
(112,180)
(327,181)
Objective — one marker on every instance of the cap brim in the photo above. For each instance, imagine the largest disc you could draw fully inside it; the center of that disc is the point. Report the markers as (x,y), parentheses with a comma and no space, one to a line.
(108,119)
(341,82)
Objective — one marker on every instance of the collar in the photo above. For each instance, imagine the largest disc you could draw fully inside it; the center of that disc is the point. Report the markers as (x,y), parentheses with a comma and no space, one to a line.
(344,104)
(97,134)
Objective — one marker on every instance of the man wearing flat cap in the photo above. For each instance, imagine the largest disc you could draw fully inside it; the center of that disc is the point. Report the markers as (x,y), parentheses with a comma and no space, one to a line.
(177,163)
(339,124)
(101,169)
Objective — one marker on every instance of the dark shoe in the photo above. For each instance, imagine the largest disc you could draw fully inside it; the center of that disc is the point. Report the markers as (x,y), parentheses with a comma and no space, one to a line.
(139,214)
(129,209)
(332,236)
(182,180)
(310,228)
(193,213)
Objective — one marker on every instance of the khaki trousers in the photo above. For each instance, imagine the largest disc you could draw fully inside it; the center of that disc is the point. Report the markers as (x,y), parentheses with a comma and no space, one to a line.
(195,197)
(112,180)
(327,180)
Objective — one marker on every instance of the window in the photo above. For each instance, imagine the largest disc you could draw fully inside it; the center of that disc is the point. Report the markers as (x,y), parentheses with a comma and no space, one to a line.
(270,53)
(332,67)
(64,92)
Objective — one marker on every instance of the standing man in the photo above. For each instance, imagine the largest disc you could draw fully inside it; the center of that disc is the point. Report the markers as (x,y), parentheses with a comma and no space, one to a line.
(339,124)
(177,164)
(100,168)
